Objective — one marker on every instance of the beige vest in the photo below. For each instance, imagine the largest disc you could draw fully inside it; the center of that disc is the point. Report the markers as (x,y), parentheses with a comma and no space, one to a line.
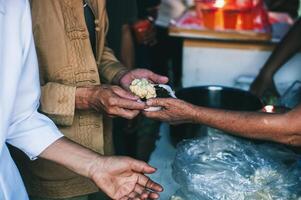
(66,61)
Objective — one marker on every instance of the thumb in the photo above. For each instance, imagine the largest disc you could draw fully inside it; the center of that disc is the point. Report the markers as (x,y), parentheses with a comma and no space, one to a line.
(156,102)
(142,167)
(125,94)
(155,78)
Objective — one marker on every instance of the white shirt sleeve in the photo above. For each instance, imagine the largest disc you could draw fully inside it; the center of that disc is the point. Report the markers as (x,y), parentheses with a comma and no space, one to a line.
(29,130)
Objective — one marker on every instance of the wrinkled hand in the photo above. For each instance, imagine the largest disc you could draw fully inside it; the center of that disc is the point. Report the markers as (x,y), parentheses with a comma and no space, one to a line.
(263,84)
(174,111)
(123,178)
(114,100)
(127,79)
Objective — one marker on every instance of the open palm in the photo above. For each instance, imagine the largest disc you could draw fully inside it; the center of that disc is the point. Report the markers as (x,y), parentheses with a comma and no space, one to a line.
(123,178)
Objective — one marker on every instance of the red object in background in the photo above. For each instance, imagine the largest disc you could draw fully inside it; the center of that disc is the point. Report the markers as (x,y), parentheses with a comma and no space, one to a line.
(206,12)
(141,28)
(231,14)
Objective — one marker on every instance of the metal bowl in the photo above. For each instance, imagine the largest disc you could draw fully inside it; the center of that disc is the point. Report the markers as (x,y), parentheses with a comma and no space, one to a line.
(213,97)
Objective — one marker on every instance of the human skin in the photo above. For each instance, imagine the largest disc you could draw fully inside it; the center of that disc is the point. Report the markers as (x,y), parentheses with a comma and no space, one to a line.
(112,100)
(115,100)
(119,177)
(287,48)
(282,128)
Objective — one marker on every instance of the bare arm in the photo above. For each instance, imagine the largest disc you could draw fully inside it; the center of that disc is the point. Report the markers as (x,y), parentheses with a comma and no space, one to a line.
(282,128)
(80,160)
(287,48)
(118,177)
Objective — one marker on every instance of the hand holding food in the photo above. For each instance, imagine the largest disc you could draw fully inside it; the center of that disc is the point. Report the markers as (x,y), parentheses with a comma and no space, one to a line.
(143,89)
(114,100)
(146,90)
(174,111)
(126,80)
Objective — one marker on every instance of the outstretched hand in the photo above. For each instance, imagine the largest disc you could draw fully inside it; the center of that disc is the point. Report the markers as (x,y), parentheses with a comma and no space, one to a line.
(123,178)
(174,111)
(127,79)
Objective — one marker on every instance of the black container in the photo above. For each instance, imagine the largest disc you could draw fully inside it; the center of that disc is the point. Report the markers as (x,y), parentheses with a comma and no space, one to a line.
(213,97)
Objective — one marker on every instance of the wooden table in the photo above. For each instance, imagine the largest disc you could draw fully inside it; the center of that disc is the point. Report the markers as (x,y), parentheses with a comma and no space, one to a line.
(221,57)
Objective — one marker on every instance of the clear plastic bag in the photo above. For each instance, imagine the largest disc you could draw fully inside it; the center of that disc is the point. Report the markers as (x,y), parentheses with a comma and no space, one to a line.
(292,96)
(221,167)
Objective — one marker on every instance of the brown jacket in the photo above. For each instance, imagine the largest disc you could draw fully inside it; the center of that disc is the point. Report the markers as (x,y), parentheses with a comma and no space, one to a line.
(66,61)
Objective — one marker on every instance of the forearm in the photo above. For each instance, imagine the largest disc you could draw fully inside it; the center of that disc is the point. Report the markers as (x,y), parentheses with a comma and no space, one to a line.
(72,156)
(285,50)
(255,125)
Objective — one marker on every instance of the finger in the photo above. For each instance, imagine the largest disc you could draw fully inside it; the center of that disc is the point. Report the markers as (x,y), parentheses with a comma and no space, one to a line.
(125,94)
(150,195)
(154,186)
(134,195)
(154,115)
(163,102)
(128,114)
(149,184)
(139,189)
(154,195)
(157,78)
(130,105)
(141,167)
(145,194)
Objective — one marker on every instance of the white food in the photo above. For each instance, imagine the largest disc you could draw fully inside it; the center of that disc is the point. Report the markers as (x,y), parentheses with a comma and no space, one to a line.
(143,88)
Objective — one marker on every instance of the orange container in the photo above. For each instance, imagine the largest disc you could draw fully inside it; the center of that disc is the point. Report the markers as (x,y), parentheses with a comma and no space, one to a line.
(227,14)
(208,13)
(247,18)
(231,14)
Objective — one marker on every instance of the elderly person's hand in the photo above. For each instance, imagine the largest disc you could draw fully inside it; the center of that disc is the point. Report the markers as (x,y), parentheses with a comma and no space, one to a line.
(263,84)
(123,178)
(126,79)
(113,100)
(174,111)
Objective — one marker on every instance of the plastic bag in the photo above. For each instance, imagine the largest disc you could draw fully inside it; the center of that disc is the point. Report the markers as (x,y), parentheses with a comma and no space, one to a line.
(292,96)
(221,167)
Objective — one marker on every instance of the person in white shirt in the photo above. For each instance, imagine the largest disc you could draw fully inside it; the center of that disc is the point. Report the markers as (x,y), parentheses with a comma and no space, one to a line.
(23,127)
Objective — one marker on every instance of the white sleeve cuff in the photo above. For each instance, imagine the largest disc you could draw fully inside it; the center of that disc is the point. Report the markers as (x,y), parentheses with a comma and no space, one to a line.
(34,135)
